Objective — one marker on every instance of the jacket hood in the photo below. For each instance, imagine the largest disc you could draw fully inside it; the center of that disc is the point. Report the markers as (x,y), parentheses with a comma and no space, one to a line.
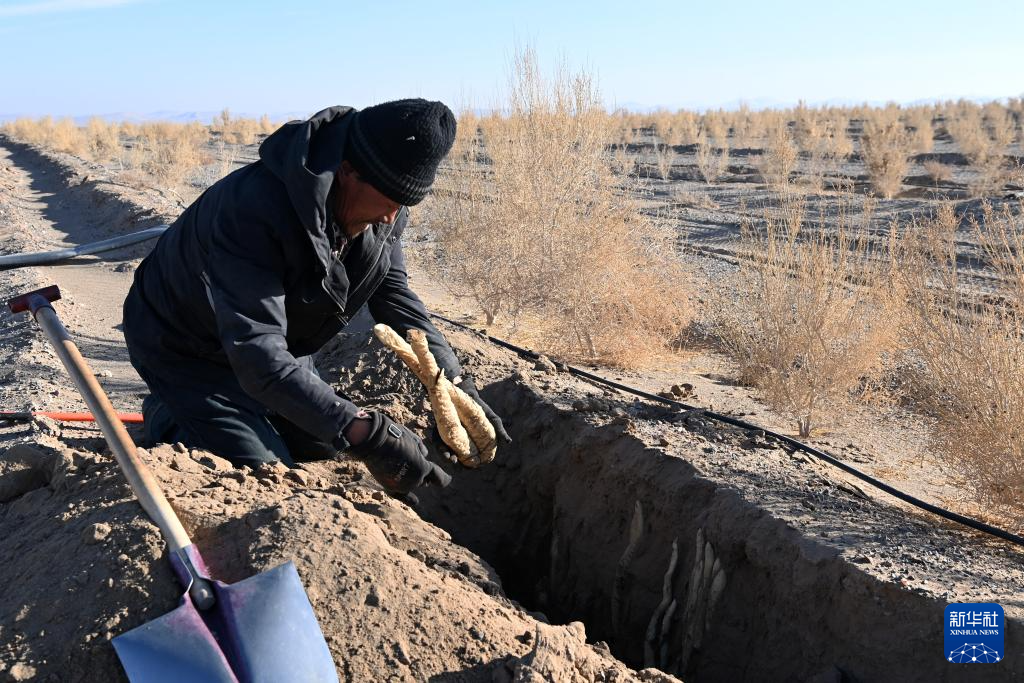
(304,155)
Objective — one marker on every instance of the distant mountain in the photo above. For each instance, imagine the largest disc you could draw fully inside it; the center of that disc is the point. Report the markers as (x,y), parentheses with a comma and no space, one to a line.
(756,103)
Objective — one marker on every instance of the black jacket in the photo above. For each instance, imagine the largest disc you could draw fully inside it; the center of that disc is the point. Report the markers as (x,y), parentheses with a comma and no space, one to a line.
(246,279)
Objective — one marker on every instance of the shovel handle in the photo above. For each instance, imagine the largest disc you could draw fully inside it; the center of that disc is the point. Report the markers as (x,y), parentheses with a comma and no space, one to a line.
(135,471)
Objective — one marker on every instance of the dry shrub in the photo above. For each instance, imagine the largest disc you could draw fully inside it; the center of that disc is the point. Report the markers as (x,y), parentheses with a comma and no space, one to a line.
(239,131)
(710,163)
(885,145)
(693,198)
(664,157)
(542,237)
(838,123)
(743,128)
(661,123)
(983,134)
(969,351)
(65,136)
(810,317)
(919,120)
(170,152)
(678,128)
(716,125)
(60,136)
(160,155)
(22,129)
(758,124)
(266,126)
(621,123)
(465,135)
(779,157)
(823,141)
(938,171)
(621,161)
(626,124)
(103,139)
(685,125)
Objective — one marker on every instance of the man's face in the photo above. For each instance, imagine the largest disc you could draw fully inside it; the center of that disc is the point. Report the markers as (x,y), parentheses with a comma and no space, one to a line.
(358,204)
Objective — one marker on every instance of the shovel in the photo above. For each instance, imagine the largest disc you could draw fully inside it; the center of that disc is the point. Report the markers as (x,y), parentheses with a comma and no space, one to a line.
(261,629)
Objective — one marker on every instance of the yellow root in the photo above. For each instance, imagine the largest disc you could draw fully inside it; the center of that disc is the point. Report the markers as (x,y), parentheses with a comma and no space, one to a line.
(389,338)
(480,429)
(460,420)
(439,390)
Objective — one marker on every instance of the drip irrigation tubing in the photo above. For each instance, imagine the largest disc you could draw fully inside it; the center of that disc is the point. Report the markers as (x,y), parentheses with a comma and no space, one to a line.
(798,445)
(47,257)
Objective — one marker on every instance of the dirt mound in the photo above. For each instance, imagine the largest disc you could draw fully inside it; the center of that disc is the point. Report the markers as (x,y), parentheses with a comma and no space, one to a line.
(395,598)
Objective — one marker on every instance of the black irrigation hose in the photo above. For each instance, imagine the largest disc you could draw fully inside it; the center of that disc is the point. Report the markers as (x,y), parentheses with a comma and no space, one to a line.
(8,261)
(821,455)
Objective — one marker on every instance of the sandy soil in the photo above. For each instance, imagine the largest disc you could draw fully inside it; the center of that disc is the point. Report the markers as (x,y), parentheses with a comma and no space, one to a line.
(711,553)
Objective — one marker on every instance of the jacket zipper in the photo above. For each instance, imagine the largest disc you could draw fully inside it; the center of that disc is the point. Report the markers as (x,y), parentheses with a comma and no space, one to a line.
(356,290)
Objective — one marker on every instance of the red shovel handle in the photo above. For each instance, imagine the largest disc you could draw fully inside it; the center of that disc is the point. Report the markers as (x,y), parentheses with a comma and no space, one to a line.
(127,418)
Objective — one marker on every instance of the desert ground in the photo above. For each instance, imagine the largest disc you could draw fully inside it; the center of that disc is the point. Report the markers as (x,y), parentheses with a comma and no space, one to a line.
(616,539)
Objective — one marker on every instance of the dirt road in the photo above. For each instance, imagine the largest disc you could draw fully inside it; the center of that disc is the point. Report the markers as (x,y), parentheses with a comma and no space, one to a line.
(42,212)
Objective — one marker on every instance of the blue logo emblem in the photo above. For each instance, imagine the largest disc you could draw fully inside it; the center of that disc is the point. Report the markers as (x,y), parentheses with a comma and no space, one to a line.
(974,633)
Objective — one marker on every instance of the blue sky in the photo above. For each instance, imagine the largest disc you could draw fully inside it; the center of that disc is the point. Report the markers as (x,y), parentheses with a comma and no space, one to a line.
(76,57)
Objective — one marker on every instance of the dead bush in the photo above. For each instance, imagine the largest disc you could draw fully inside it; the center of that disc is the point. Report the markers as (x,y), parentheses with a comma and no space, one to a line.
(938,171)
(60,136)
(693,198)
(24,129)
(545,242)
(711,162)
(983,135)
(779,158)
(968,350)
(716,126)
(885,145)
(621,161)
(919,121)
(742,128)
(465,135)
(809,315)
(103,139)
(662,124)
(823,142)
(664,157)
(238,131)
(171,152)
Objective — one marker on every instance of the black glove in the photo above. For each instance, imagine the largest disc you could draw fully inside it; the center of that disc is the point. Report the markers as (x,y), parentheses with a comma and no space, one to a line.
(397,458)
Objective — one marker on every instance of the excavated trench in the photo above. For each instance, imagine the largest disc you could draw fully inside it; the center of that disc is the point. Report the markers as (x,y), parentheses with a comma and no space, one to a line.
(671,569)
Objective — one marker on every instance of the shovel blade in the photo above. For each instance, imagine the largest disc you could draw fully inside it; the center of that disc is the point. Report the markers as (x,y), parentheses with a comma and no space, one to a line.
(177,646)
(269,631)
(260,630)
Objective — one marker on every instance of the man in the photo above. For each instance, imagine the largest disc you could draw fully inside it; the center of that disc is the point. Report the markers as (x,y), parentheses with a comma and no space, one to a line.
(268,265)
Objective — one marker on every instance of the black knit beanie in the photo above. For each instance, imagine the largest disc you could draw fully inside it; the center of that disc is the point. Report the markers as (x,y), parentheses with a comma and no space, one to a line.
(396,146)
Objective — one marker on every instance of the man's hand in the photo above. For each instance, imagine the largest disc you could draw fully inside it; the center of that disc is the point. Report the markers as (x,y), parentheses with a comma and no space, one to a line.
(395,456)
